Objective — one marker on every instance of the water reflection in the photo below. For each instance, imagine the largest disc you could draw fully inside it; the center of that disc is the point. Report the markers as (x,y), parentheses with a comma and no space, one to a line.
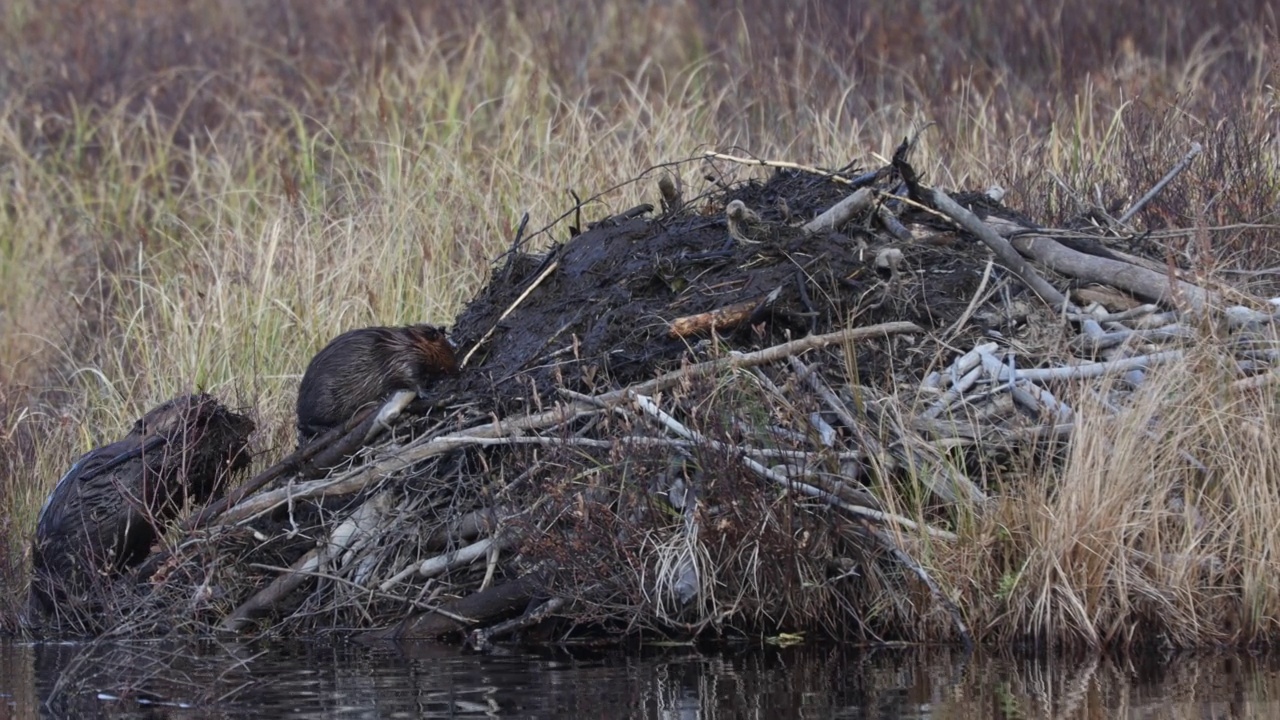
(310,680)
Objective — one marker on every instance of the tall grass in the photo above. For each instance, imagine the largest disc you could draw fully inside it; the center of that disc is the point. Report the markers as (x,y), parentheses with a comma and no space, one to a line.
(198,195)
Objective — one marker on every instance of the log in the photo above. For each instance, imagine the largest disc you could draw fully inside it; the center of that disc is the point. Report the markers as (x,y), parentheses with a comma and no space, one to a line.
(1146,284)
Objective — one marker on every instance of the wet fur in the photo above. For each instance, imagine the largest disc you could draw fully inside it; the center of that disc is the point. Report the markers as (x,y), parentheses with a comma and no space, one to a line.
(365,366)
(104,514)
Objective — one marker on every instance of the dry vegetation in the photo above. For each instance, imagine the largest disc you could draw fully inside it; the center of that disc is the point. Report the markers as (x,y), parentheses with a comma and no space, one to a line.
(198,195)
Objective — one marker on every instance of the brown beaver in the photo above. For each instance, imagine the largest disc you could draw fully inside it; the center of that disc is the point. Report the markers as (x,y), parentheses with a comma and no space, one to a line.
(365,366)
(105,513)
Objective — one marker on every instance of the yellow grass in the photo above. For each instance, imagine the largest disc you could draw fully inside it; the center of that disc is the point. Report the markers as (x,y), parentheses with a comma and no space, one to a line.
(207,216)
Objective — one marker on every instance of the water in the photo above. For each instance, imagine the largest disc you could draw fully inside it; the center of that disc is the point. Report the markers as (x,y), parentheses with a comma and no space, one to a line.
(160,680)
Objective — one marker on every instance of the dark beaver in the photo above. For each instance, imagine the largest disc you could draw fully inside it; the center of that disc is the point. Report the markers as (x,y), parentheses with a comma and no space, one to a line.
(105,513)
(365,366)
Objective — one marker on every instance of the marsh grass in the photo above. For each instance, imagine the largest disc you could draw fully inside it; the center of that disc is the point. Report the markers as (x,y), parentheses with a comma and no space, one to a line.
(197,197)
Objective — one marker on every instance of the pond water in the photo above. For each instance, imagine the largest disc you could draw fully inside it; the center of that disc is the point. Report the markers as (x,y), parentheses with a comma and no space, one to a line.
(345,680)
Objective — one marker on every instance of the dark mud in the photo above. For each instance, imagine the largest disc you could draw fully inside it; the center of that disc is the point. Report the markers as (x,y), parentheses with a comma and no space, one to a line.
(602,316)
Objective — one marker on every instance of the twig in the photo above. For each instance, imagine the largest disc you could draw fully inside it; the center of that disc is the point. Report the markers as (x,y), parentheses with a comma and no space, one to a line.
(778,164)
(511,308)
(979,296)
(677,427)
(906,560)
(1183,164)
(441,563)
(625,440)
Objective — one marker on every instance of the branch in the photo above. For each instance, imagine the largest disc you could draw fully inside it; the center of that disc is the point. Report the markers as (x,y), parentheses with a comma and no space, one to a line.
(358,526)
(1001,247)
(1147,284)
(1183,164)
(841,212)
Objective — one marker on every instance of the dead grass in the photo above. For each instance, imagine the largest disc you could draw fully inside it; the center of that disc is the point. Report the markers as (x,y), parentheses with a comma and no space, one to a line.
(197,196)
(1153,528)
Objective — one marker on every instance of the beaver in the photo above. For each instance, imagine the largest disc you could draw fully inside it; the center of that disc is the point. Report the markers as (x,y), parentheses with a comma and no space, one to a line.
(365,366)
(106,511)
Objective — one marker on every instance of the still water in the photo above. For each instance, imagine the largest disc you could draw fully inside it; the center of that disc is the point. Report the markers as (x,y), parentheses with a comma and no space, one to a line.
(344,680)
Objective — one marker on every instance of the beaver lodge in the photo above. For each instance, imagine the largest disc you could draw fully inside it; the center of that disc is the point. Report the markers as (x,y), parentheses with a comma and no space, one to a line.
(700,419)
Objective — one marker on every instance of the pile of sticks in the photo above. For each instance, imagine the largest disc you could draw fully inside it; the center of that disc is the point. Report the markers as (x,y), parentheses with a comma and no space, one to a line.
(424,549)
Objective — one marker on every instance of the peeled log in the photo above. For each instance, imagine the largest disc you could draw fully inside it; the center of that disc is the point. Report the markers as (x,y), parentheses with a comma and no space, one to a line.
(1141,282)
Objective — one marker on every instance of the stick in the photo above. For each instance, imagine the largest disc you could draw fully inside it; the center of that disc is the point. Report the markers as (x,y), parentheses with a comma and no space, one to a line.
(979,296)
(841,212)
(778,164)
(1183,164)
(290,464)
(537,281)
(902,557)
(899,451)
(956,391)
(1168,333)
(1140,311)
(1147,284)
(728,317)
(360,524)
(893,225)
(1028,394)
(1099,369)
(441,563)
(677,427)
(1001,247)
(482,640)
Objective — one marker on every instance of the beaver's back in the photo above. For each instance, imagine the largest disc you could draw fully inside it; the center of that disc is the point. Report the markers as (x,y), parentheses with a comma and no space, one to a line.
(364,366)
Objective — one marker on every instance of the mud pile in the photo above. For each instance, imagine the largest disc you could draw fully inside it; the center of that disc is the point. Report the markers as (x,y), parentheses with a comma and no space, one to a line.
(683,421)
(603,315)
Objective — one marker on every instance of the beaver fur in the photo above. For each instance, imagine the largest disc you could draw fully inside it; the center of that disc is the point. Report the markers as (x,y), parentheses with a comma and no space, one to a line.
(365,366)
(106,511)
